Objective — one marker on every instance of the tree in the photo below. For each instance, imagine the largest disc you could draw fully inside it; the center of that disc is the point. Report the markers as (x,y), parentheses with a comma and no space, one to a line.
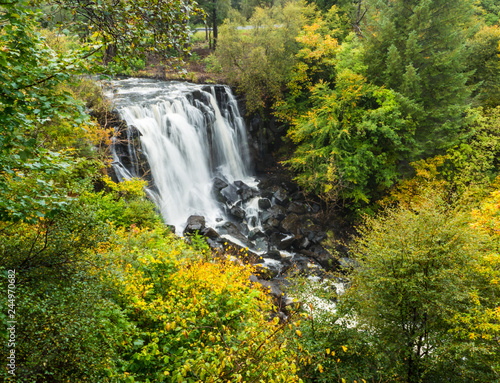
(419,49)
(125,26)
(259,60)
(484,63)
(216,11)
(416,275)
(350,133)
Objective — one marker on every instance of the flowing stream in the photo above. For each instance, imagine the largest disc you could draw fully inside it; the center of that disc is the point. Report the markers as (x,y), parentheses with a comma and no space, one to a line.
(190,135)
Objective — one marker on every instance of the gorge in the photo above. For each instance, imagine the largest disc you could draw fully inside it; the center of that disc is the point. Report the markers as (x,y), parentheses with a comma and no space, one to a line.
(190,142)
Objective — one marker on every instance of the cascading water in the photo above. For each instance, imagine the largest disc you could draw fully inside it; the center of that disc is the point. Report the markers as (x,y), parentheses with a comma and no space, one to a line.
(190,142)
(189,134)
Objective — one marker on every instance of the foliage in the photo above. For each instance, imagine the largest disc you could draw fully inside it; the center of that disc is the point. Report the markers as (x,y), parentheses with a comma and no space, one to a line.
(198,320)
(66,329)
(419,50)
(484,63)
(126,204)
(258,60)
(474,162)
(416,275)
(351,138)
(137,27)
(29,71)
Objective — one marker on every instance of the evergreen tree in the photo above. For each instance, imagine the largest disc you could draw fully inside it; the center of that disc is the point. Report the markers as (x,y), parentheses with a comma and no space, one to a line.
(418,48)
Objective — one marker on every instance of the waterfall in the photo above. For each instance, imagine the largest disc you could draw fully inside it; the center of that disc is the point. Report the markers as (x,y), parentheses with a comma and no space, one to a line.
(189,134)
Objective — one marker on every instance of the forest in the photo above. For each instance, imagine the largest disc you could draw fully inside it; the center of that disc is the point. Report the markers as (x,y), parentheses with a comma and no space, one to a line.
(384,112)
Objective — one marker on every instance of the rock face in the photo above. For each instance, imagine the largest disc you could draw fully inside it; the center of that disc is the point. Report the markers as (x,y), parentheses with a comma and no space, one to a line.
(275,221)
(195,223)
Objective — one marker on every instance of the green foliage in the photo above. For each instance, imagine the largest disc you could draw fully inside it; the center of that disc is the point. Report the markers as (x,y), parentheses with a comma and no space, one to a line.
(126,205)
(484,63)
(198,320)
(258,60)
(138,27)
(416,274)
(419,49)
(351,138)
(474,163)
(66,328)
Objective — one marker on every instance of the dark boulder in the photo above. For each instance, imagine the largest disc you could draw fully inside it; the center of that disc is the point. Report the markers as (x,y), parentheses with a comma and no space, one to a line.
(219,184)
(231,229)
(291,224)
(281,197)
(237,212)
(297,208)
(209,232)
(264,203)
(195,223)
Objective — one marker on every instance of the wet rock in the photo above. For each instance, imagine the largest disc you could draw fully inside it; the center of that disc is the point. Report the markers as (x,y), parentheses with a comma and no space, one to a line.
(219,184)
(267,271)
(267,194)
(229,228)
(273,254)
(303,243)
(306,265)
(255,233)
(281,196)
(261,244)
(286,242)
(252,221)
(264,203)
(297,208)
(268,229)
(291,224)
(194,223)
(275,239)
(209,232)
(277,211)
(273,222)
(214,245)
(319,237)
(237,212)
(245,191)
(323,257)
(230,194)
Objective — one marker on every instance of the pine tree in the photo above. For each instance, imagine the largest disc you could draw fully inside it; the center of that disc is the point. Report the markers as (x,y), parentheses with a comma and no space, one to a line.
(418,49)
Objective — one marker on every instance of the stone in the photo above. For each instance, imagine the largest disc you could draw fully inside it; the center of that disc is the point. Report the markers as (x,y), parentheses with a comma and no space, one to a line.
(291,224)
(255,233)
(281,196)
(219,184)
(272,287)
(273,254)
(231,229)
(245,191)
(209,232)
(237,212)
(286,242)
(264,203)
(194,223)
(297,208)
(278,212)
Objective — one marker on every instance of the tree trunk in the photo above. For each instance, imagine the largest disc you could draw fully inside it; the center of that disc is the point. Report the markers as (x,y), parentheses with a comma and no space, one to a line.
(214,23)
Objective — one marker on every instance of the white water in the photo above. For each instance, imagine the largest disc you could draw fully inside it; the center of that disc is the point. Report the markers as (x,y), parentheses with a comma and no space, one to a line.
(188,139)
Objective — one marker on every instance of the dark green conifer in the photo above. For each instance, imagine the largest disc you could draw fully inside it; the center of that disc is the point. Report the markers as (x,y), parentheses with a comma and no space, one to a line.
(418,48)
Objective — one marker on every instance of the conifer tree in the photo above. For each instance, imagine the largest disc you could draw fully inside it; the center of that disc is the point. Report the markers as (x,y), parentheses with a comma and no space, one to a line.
(418,49)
